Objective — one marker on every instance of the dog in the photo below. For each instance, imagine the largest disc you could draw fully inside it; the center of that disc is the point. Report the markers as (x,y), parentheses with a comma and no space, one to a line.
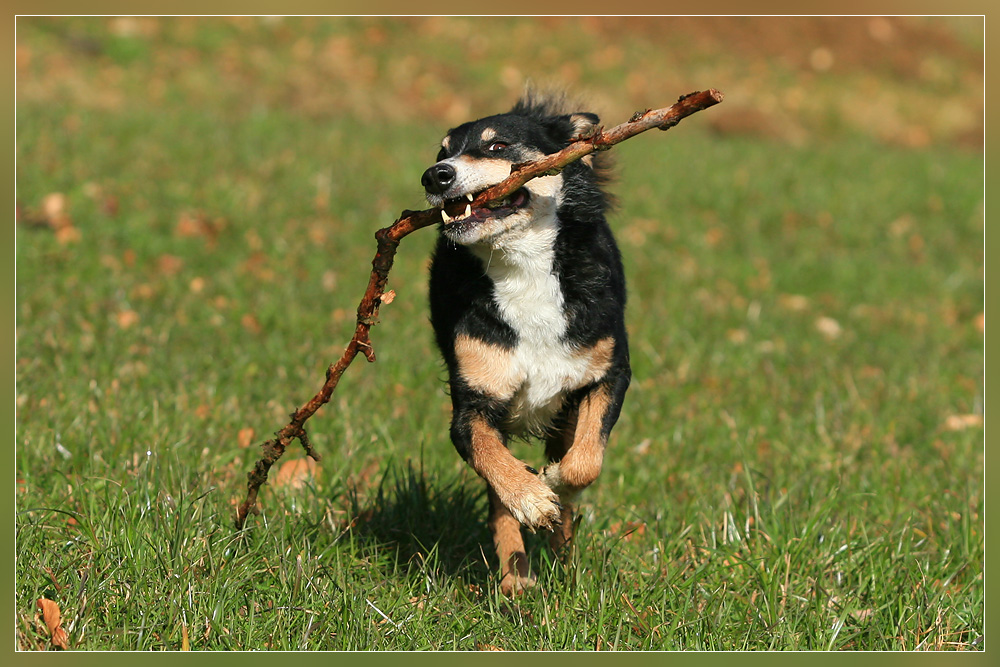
(527,302)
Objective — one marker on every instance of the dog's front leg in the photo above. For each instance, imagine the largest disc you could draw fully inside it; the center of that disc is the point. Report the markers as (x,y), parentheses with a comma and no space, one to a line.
(517,486)
(517,495)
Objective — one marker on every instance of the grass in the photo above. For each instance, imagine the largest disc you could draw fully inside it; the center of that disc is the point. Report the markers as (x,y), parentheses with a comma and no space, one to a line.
(799,463)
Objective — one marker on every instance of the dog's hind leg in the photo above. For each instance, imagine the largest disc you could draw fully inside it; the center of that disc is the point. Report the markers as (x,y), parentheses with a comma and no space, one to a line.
(556,445)
(509,543)
(577,450)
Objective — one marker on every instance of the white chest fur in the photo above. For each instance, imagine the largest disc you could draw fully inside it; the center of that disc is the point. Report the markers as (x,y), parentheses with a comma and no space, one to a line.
(543,366)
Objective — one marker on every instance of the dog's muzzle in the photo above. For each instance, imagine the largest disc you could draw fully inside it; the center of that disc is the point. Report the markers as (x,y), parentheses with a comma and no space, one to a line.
(438,178)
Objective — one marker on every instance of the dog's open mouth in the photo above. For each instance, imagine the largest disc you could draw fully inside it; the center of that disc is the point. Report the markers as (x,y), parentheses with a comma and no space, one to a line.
(459,211)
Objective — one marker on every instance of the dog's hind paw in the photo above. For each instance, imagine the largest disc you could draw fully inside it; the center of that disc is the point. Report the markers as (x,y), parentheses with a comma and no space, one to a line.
(513,584)
(550,475)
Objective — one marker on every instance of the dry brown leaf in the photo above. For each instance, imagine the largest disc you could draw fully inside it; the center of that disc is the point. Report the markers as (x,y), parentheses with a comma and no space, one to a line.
(387,297)
(185,642)
(67,233)
(714,236)
(251,323)
(51,617)
(169,264)
(54,205)
(188,227)
(962,422)
(829,327)
(295,473)
(245,437)
(127,318)
(738,336)
(487,647)
(628,530)
(54,210)
(793,302)
(862,614)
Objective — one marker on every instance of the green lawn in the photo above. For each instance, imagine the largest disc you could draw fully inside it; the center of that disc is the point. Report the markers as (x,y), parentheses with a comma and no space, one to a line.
(799,463)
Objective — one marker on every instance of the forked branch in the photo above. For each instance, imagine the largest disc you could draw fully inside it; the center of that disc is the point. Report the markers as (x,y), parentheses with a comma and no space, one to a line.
(388,240)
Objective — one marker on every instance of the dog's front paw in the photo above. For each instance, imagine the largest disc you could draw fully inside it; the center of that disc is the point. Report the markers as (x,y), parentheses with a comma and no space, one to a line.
(535,505)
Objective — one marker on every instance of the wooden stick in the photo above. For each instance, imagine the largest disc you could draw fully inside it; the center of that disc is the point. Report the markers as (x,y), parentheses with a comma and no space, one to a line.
(388,240)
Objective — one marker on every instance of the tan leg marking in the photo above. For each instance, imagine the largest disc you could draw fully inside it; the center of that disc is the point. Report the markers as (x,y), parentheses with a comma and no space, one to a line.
(514,571)
(486,367)
(598,359)
(525,495)
(583,459)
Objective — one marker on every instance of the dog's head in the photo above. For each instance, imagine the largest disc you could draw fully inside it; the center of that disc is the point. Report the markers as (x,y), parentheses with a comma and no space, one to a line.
(479,154)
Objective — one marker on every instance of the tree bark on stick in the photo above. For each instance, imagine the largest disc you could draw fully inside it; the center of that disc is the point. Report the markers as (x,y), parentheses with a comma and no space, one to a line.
(388,240)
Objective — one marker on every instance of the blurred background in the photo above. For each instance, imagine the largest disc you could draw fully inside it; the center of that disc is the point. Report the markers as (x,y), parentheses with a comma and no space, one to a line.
(794,79)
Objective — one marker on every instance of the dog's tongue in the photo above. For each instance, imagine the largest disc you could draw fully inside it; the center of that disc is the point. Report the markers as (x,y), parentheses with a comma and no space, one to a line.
(457,209)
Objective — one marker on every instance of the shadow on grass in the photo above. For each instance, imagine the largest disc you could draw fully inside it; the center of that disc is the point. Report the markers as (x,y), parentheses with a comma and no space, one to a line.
(440,527)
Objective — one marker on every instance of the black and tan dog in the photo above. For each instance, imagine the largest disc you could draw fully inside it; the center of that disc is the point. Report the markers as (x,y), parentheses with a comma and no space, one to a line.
(527,302)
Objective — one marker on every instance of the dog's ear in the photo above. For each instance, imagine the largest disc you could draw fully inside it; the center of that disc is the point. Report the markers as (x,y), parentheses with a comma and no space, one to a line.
(570,127)
(583,123)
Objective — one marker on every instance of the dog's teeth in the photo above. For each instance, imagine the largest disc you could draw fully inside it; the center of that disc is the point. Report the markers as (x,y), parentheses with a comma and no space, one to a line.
(468,210)
(444,217)
(468,195)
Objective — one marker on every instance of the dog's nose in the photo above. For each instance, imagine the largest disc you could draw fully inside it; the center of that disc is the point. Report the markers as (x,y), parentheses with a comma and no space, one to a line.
(438,178)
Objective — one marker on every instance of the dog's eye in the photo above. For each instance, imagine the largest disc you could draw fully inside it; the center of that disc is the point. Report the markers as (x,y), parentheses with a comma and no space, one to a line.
(442,154)
(497,146)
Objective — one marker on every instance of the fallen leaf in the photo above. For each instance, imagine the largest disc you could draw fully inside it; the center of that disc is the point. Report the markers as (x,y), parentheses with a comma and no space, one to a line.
(245,437)
(68,234)
(628,530)
(793,302)
(169,264)
(127,318)
(487,647)
(51,617)
(962,422)
(54,210)
(738,336)
(829,327)
(295,473)
(251,323)
(714,236)
(189,227)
